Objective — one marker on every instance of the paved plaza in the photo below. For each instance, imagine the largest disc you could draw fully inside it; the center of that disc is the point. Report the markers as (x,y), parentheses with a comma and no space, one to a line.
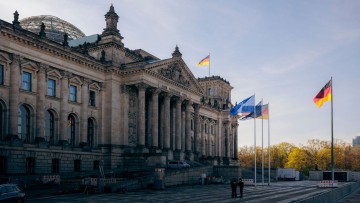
(277,192)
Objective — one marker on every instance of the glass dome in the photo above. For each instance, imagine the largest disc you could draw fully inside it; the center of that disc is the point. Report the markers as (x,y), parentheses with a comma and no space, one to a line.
(54,27)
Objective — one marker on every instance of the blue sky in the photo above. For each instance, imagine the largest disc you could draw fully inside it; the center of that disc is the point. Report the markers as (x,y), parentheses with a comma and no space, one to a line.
(284,52)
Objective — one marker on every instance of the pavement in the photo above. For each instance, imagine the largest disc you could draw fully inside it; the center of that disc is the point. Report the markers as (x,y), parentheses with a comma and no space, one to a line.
(276,192)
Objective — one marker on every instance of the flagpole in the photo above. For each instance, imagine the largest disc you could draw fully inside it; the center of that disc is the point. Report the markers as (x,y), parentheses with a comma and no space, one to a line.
(254,145)
(269,139)
(209,64)
(332,134)
(262,145)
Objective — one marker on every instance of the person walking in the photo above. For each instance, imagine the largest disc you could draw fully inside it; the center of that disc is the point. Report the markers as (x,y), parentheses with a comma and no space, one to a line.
(233,185)
(241,185)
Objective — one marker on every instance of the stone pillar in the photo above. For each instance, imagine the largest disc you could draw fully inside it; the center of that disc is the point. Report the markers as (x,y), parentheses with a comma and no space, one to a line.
(178,123)
(167,120)
(235,142)
(141,113)
(40,100)
(187,127)
(84,112)
(155,118)
(196,128)
(183,121)
(149,114)
(14,96)
(203,146)
(228,130)
(173,126)
(124,109)
(64,107)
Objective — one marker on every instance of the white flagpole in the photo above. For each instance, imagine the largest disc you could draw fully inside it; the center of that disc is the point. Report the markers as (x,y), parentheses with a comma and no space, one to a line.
(254,144)
(262,145)
(269,139)
(332,134)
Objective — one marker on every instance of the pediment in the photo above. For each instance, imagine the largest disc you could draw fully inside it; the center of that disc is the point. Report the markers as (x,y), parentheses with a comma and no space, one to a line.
(54,73)
(76,80)
(177,72)
(4,57)
(94,86)
(30,65)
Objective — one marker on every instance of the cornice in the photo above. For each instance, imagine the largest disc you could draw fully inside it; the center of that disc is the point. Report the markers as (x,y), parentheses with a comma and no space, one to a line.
(33,41)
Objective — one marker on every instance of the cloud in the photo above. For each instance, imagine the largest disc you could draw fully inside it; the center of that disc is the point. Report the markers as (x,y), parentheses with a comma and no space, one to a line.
(294,61)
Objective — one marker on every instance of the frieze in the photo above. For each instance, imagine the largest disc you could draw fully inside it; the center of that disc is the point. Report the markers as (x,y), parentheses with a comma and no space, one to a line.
(173,72)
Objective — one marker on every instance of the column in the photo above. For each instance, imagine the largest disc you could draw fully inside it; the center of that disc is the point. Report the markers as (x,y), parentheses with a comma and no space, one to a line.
(124,110)
(167,120)
(228,130)
(141,98)
(98,139)
(178,123)
(235,141)
(183,121)
(173,126)
(64,107)
(148,124)
(155,119)
(202,137)
(40,100)
(187,127)
(84,111)
(196,127)
(14,96)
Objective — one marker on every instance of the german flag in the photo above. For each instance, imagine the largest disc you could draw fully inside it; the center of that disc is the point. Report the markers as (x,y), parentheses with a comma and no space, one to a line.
(205,61)
(324,95)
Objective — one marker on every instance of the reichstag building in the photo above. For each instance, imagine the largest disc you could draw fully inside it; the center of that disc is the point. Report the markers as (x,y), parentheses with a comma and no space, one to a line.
(71,102)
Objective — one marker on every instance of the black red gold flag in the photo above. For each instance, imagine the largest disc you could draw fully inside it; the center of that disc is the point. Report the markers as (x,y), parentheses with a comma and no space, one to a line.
(324,95)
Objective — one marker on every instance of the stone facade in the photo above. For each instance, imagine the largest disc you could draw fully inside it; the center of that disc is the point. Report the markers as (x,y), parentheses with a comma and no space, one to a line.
(67,109)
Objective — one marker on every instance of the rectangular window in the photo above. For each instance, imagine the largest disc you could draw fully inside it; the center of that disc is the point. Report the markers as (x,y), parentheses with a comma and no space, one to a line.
(73,93)
(30,165)
(96,165)
(51,88)
(26,81)
(92,98)
(77,165)
(1,74)
(55,165)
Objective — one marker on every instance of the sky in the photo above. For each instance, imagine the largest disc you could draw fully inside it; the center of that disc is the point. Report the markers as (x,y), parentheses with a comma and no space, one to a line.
(282,51)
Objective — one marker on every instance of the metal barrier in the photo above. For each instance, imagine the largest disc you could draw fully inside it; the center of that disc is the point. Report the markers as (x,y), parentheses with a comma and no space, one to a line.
(94,181)
(328,183)
(248,181)
(55,179)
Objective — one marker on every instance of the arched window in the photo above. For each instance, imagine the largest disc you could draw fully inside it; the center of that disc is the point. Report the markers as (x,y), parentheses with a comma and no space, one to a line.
(49,127)
(91,130)
(24,124)
(71,129)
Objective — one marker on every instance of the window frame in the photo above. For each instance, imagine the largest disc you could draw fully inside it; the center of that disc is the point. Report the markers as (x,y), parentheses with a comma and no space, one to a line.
(92,99)
(23,82)
(73,94)
(53,90)
(2,78)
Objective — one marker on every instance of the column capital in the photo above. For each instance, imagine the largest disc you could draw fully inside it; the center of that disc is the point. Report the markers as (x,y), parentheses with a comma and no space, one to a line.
(187,102)
(66,74)
(15,58)
(155,91)
(86,81)
(43,68)
(166,95)
(196,107)
(141,86)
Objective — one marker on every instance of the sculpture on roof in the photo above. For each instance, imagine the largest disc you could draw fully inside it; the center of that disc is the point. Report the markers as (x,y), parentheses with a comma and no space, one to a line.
(111,18)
